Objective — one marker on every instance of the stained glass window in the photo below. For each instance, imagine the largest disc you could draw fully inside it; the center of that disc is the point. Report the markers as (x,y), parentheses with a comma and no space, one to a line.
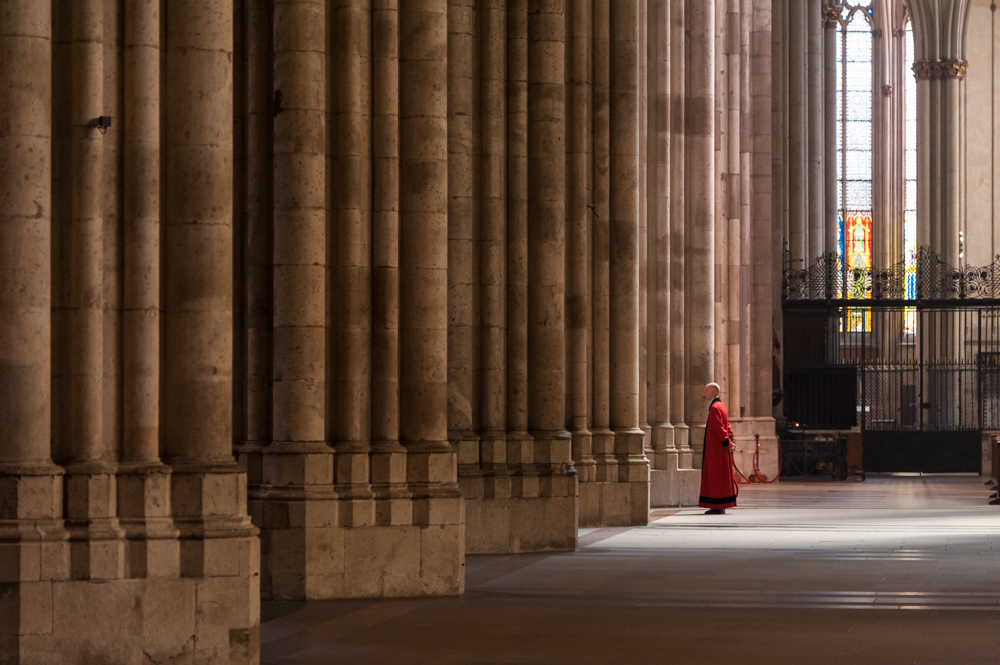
(854,152)
(910,202)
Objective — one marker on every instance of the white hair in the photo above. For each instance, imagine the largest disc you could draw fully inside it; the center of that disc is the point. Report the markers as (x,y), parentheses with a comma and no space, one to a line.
(715,387)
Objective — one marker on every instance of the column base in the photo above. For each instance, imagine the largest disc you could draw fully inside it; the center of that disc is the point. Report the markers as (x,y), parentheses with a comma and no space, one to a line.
(672,485)
(744,430)
(205,618)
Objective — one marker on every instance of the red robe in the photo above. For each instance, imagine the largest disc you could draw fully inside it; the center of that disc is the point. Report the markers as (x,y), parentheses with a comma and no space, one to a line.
(718,490)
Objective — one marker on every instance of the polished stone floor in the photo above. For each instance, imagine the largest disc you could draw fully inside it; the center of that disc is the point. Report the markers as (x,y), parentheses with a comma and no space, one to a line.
(890,570)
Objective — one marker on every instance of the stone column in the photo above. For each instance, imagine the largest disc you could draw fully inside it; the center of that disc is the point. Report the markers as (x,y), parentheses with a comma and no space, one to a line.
(259,239)
(798,181)
(297,462)
(96,548)
(643,239)
(603,438)
(633,468)
(578,236)
(493,251)
(546,241)
(218,543)
(830,21)
(818,231)
(519,445)
(388,458)
(678,215)
(423,260)
(732,296)
(700,226)
(32,531)
(463,220)
(143,481)
(659,231)
(761,209)
(349,404)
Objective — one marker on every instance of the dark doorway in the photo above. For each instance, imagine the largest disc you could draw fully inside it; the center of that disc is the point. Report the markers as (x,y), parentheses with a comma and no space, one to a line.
(925,452)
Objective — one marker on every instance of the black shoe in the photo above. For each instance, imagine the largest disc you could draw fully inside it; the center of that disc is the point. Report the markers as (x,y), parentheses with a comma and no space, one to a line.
(715,511)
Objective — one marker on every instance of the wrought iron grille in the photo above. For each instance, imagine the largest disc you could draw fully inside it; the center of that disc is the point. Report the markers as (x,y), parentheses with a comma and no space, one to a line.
(829,279)
(859,353)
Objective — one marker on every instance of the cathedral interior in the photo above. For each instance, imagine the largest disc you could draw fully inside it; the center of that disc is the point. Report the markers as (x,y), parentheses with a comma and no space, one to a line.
(377,331)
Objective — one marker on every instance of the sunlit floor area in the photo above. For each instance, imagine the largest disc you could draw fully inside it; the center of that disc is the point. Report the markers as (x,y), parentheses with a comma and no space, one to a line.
(889,570)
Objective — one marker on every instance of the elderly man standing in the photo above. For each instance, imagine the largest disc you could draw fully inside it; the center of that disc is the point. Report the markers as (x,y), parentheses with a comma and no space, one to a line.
(718,489)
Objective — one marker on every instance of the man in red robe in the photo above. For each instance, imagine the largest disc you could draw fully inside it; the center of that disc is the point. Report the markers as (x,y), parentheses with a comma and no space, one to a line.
(718,489)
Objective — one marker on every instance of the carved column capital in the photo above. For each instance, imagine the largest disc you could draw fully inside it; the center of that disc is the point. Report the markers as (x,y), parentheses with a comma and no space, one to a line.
(937,70)
(831,16)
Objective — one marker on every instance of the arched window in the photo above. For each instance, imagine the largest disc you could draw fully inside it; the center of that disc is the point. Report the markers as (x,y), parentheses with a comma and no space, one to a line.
(854,148)
(910,196)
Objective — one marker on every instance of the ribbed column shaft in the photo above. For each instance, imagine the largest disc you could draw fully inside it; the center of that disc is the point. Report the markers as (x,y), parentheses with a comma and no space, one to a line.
(798,180)
(350,425)
(86,238)
(830,175)
(603,441)
(659,226)
(818,233)
(141,315)
(493,234)
(385,225)
(424,223)
(260,224)
(678,218)
(624,217)
(547,212)
(197,235)
(463,219)
(299,223)
(25,233)
(700,227)
(578,230)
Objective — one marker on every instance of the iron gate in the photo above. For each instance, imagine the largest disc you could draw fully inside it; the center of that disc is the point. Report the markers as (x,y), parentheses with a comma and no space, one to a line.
(892,368)
(910,354)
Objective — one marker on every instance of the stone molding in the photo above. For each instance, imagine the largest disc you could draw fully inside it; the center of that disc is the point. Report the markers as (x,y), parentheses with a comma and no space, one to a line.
(939,70)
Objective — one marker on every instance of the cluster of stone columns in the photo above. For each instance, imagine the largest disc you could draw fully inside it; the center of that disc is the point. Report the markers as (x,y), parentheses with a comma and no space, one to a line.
(447,275)
(124,512)
(624,293)
(940,64)
(352,478)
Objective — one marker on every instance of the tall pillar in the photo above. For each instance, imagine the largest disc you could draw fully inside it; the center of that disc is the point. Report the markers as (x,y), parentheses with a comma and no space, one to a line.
(798,172)
(578,243)
(388,459)
(939,68)
(818,230)
(143,481)
(643,239)
(633,468)
(32,535)
(699,223)
(96,548)
(546,242)
(492,262)
(297,458)
(659,231)
(259,251)
(349,398)
(519,444)
(423,205)
(606,469)
(218,543)
(732,297)
(463,220)
(678,217)
(830,21)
